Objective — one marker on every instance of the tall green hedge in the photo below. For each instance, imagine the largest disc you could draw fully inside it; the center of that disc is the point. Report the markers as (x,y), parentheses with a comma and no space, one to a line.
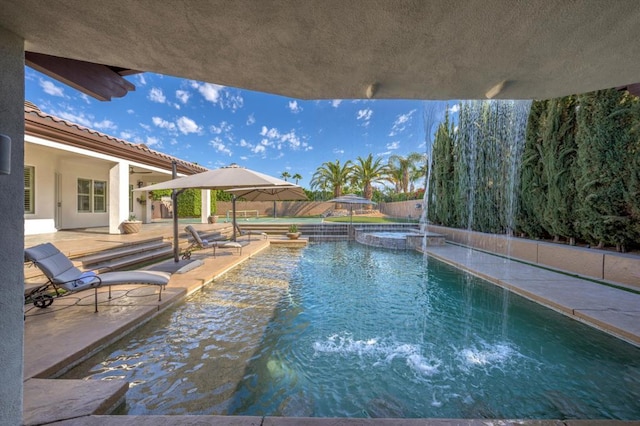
(578,177)
(189,201)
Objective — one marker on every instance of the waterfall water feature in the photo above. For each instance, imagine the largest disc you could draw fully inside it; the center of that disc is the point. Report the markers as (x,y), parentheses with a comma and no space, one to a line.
(490,138)
(433,115)
(490,141)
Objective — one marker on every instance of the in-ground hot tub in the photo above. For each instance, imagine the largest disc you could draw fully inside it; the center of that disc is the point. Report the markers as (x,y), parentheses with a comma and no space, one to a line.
(398,240)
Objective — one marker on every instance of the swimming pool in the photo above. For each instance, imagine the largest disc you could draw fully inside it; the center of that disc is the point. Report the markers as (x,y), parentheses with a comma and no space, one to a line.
(340,329)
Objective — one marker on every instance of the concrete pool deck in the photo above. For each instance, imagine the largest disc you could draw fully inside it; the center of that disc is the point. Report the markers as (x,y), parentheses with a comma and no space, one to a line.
(69,331)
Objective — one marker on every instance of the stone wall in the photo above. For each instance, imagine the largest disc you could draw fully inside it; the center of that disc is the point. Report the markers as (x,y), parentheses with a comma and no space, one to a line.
(603,265)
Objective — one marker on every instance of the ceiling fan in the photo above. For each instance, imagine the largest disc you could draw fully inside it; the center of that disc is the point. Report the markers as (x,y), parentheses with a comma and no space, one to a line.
(132,171)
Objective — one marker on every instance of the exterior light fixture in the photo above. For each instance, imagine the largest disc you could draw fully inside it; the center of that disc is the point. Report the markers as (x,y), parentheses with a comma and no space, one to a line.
(371,90)
(5,154)
(495,90)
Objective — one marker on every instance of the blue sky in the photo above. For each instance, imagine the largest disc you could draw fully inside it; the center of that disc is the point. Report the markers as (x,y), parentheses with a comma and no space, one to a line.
(215,125)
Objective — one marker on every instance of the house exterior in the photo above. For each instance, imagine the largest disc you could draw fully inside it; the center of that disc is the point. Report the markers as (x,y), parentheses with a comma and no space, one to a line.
(75,177)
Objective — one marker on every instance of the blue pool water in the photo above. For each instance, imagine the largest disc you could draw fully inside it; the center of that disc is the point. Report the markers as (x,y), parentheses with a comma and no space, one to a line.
(340,329)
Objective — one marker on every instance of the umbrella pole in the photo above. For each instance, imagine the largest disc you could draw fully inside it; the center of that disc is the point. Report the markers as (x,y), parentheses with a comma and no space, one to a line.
(235,224)
(174,201)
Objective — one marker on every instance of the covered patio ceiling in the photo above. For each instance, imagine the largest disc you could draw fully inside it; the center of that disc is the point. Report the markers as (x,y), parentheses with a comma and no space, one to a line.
(339,49)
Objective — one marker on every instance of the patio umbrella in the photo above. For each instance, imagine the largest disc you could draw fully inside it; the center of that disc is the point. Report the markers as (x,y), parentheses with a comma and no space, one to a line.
(229,177)
(351,199)
(270,193)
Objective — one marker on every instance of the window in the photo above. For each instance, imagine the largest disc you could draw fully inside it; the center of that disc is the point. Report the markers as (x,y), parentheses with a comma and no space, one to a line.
(92,196)
(29,189)
(99,196)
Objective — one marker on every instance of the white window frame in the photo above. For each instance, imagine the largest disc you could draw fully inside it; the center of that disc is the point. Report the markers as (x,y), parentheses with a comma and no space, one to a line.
(93,196)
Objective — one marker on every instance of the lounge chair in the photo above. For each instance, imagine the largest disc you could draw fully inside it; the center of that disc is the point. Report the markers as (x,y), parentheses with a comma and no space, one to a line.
(251,232)
(62,274)
(199,243)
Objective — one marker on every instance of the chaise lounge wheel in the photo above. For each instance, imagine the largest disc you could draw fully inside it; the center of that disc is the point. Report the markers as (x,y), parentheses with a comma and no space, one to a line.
(42,300)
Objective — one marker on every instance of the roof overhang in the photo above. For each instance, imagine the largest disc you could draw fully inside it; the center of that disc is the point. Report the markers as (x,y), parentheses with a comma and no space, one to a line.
(336,49)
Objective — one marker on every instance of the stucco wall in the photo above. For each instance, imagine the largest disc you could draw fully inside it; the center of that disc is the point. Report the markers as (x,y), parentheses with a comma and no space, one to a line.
(12,242)
(402,209)
(283,208)
(591,263)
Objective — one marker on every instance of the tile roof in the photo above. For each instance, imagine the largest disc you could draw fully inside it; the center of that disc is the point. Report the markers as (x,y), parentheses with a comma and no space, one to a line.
(38,123)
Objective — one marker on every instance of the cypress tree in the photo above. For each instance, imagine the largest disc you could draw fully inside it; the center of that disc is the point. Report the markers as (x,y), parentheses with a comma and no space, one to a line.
(603,145)
(533,188)
(441,189)
(633,167)
(464,158)
(559,156)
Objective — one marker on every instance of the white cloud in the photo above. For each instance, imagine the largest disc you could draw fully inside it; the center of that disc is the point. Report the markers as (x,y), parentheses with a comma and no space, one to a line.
(78,118)
(219,95)
(294,107)
(51,89)
(259,149)
(183,96)
(145,126)
(224,127)
(130,111)
(126,135)
(273,138)
(365,115)
(141,80)
(187,125)
(105,125)
(338,151)
(393,145)
(86,120)
(336,103)
(220,147)
(292,139)
(454,108)
(401,123)
(270,133)
(232,102)
(152,141)
(211,92)
(156,95)
(251,120)
(164,124)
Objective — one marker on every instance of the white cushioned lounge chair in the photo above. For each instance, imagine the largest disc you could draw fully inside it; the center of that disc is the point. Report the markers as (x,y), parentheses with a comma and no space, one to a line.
(198,242)
(62,274)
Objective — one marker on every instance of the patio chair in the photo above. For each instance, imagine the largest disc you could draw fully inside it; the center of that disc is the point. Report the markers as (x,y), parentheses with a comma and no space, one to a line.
(62,274)
(200,243)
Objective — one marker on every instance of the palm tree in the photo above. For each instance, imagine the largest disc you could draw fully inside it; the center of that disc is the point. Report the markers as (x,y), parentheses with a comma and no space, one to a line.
(285,175)
(366,172)
(297,177)
(394,177)
(408,168)
(332,175)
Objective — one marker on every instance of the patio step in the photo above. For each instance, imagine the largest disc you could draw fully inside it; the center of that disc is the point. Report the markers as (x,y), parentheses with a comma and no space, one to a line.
(138,254)
(131,261)
(89,262)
